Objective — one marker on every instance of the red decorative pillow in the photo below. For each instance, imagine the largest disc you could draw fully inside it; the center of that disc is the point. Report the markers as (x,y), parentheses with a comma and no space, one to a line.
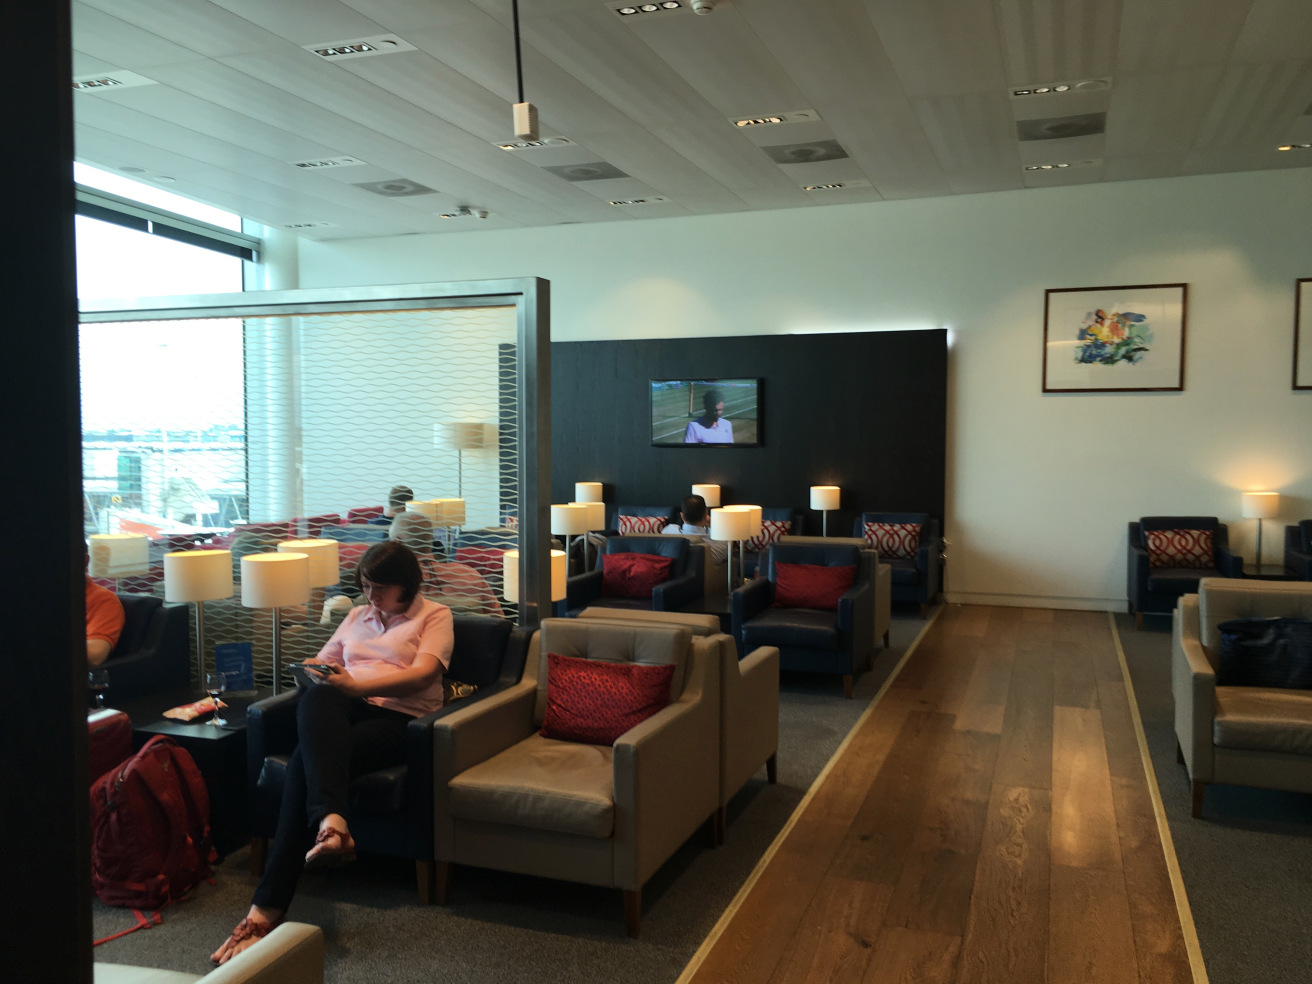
(1180,548)
(632,575)
(771,530)
(641,524)
(811,585)
(595,702)
(899,541)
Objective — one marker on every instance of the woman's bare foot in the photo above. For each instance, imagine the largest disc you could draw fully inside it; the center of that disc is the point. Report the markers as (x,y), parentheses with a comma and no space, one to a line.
(257,924)
(333,846)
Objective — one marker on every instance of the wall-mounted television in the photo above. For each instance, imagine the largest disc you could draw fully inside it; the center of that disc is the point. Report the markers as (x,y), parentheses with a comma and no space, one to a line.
(705,413)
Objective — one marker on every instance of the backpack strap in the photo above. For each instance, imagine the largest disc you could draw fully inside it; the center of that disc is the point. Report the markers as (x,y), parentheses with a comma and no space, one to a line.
(144,921)
(196,807)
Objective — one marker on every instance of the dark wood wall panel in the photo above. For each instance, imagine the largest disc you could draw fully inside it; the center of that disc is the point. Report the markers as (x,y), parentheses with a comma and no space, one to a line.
(864,411)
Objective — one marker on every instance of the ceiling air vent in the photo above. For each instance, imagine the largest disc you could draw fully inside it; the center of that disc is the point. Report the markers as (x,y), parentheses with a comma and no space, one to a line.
(630,202)
(322,163)
(806,153)
(383,44)
(395,188)
(307,225)
(595,171)
(1058,127)
(109,81)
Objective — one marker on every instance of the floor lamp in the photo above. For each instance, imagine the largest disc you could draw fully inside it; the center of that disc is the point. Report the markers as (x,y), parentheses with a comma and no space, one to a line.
(116,555)
(510,575)
(824,498)
(710,494)
(450,514)
(463,435)
(596,520)
(323,566)
(275,580)
(730,525)
(754,525)
(1260,506)
(569,519)
(199,576)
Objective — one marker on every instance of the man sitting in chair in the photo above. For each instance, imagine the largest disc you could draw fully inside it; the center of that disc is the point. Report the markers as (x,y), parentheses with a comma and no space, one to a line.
(396,500)
(104,622)
(697,523)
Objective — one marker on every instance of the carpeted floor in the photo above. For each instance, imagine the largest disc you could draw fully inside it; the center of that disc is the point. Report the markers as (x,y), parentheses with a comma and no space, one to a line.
(515,929)
(1247,863)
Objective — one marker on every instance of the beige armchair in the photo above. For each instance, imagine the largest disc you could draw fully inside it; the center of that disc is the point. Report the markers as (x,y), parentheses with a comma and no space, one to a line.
(508,798)
(749,701)
(1245,736)
(291,954)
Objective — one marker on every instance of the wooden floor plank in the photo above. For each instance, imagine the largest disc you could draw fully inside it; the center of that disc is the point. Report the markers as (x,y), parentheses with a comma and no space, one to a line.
(1084,831)
(908,956)
(1025,753)
(1090,938)
(836,937)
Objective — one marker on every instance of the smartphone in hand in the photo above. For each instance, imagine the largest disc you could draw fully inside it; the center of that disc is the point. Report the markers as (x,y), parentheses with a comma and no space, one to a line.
(310,674)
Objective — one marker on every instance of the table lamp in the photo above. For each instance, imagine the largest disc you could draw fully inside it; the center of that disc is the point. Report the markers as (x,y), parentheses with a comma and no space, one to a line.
(596,512)
(730,525)
(754,526)
(569,519)
(824,498)
(199,576)
(587,492)
(275,580)
(1260,506)
(510,575)
(116,555)
(711,493)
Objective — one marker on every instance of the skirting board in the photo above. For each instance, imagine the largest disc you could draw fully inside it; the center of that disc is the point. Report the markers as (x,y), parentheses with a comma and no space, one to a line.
(1036,601)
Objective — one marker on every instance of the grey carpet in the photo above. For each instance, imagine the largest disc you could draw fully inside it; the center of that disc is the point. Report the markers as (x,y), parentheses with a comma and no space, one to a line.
(515,929)
(1247,863)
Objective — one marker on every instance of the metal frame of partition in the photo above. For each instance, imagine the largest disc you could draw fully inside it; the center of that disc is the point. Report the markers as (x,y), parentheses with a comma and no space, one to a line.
(531,298)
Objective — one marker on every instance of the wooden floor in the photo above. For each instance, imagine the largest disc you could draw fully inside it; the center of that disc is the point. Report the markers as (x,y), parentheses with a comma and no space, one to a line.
(989,821)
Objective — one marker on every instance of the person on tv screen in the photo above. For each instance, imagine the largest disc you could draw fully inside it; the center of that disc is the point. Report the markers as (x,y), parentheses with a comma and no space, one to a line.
(710,427)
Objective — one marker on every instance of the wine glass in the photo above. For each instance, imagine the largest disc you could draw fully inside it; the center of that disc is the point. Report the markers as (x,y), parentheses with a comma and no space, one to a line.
(98,683)
(215,684)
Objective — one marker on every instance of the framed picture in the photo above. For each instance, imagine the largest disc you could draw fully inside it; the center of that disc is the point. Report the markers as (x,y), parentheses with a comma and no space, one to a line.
(1114,339)
(1303,334)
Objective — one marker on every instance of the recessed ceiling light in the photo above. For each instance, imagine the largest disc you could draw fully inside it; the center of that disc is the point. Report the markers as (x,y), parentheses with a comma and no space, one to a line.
(653,200)
(625,11)
(1055,165)
(758,121)
(1048,88)
(383,44)
(649,8)
(657,7)
(1297,146)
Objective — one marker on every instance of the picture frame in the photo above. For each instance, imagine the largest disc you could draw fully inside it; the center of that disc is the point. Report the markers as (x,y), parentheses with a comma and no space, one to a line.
(1303,333)
(1127,339)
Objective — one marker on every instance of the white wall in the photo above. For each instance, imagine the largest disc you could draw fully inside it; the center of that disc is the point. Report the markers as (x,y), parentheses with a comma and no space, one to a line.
(1040,487)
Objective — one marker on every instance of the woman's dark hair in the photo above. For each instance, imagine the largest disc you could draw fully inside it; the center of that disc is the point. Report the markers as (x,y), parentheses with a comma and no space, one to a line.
(391,562)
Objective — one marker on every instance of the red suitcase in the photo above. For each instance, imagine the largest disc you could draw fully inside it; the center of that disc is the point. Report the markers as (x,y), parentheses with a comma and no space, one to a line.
(109,737)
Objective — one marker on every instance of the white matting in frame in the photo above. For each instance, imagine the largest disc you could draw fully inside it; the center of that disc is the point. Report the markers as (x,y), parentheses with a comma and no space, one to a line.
(1114,339)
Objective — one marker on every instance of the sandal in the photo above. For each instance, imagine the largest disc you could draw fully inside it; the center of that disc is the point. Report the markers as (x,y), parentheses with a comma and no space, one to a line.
(325,855)
(247,929)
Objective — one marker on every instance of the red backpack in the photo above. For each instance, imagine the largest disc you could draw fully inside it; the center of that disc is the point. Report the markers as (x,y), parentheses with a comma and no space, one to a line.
(150,828)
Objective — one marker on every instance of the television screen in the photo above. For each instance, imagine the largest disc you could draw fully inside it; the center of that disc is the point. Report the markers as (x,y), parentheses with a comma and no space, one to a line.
(705,413)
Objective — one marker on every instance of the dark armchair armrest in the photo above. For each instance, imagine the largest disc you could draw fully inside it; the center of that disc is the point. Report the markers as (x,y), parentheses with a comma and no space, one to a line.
(582,590)
(749,601)
(677,592)
(856,611)
(1229,564)
(270,730)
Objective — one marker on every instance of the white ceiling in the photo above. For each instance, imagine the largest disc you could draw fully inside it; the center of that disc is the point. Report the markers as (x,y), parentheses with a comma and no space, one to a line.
(918,93)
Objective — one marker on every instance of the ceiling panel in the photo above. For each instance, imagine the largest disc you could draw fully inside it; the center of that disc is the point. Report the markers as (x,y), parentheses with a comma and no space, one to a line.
(203,27)
(1056,40)
(1153,114)
(973,130)
(940,47)
(1255,105)
(1170,34)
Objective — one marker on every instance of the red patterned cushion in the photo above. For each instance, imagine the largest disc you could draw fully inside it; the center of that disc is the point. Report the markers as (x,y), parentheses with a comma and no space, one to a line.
(632,575)
(641,524)
(595,702)
(1180,548)
(899,541)
(771,530)
(811,585)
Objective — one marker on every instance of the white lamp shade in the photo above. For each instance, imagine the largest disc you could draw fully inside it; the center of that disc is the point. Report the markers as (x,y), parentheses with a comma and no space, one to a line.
(569,519)
(711,493)
(587,491)
(753,518)
(323,559)
(198,575)
(450,512)
(596,514)
(510,575)
(118,554)
(424,507)
(730,524)
(465,435)
(824,497)
(275,580)
(1261,505)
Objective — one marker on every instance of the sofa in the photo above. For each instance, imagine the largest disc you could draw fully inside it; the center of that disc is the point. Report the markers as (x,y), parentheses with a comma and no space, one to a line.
(1241,735)
(291,954)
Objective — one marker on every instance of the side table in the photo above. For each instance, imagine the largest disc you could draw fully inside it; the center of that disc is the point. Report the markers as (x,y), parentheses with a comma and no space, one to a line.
(1268,572)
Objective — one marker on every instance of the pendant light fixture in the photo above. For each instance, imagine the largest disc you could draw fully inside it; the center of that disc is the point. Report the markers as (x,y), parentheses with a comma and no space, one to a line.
(526,114)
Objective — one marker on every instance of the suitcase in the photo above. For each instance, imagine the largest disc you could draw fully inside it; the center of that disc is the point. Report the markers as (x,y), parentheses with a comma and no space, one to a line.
(109,740)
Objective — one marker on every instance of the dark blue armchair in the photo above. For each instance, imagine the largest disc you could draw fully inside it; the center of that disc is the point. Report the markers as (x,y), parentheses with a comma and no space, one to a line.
(1155,590)
(917,579)
(391,809)
(685,585)
(153,653)
(1298,550)
(815,640)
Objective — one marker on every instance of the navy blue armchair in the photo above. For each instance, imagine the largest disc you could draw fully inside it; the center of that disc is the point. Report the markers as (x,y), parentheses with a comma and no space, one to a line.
(816,640)
(685,585)
(1155,590)
(153,653)
(391,809)
(918,579)
(1298,550)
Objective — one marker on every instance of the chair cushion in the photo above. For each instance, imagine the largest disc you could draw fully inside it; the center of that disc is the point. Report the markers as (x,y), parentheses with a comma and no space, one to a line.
(596,702)
(633,575)
(1180,548)
(1263,719)
(1265,652)
(894,541)
(803,628)
(1176,580)
(771,530)
(641,524)
(542,784)
(811,585)
(902,571)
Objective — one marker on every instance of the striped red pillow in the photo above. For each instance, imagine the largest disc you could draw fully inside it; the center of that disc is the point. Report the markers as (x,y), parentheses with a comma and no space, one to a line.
(898,541)
(1180,548)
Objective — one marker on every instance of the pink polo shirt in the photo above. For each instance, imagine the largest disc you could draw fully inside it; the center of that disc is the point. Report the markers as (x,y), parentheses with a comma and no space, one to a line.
(369,649)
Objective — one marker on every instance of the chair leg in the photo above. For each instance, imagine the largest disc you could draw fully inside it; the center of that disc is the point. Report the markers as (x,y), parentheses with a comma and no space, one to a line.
(1196,799)
(1138,621)
(886,642)
(718,821)
(633,912)
(441,878)
(259,851)
(847,685)
(772,769)
(425,877)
